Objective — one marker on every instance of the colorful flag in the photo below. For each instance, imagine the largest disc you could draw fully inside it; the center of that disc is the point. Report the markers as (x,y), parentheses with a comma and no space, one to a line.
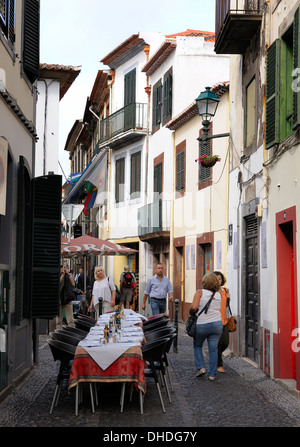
(73,178)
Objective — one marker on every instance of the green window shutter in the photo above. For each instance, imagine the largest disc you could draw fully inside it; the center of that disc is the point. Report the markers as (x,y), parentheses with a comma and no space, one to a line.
(180,171)
(129,87)
(273,95)
(159,104)
(135,175)
(157,187)
(296,56)
(46,246)
(31,39)
(154,105)
(167,99)
(120,177)
(205,149)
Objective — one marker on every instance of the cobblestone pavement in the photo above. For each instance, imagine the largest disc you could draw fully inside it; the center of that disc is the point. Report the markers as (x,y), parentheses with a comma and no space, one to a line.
(242,397)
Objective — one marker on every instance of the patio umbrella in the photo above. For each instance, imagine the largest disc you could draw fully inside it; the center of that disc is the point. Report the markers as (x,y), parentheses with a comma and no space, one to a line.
(85,246)
(88,245)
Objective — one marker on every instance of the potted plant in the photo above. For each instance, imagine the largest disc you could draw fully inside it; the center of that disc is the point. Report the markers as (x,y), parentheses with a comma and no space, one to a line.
(208,161)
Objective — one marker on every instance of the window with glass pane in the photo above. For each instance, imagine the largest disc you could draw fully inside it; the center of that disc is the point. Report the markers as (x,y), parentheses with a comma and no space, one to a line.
(135,175)
(7,19)
(3,10)
(119,181)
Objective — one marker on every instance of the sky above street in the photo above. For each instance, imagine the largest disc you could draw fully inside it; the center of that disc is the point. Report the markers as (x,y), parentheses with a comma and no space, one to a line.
(80,33)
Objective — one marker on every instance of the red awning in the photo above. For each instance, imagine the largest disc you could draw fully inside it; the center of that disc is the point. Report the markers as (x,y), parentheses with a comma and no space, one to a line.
(88,245)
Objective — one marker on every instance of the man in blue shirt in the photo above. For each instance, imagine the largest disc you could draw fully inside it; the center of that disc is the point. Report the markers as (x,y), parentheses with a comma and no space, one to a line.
(158,287)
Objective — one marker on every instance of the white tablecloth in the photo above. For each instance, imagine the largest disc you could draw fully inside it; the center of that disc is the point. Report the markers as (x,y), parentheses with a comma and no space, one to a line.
(105,355)
(129,335)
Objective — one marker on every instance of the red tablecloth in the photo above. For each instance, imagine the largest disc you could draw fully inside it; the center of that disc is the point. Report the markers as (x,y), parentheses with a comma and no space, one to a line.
(129,367)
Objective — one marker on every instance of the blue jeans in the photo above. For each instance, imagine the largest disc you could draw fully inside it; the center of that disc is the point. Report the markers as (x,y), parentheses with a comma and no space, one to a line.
(158,306)
(212,332)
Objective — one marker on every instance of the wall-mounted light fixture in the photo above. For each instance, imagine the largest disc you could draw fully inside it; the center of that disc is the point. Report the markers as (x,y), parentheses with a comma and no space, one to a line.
(207,104)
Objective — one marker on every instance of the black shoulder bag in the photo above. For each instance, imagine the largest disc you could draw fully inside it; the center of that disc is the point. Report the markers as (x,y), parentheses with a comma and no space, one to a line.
(67,293)
(190,326)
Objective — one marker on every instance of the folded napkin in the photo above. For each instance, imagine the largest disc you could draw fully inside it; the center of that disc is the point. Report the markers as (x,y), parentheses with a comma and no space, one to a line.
(88,343)
(137,340)
(130,312)
(107,354)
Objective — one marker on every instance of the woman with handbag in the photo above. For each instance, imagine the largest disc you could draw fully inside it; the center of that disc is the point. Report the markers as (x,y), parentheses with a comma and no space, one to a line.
(67,295)
(224,339)
(209,324)
(103,288)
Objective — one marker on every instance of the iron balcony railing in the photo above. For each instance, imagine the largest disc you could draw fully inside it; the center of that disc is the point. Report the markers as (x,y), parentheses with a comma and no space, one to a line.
(225,7)
(131,117)
(154,217)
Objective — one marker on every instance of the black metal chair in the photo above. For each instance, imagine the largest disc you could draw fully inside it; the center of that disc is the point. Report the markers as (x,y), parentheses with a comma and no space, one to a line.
(75,330)
(64,353)
(65,338)
(160,332)
(153,353)
(158,324)
(83,325)
(70,333)
(165,356)
(86,318)
(153,319)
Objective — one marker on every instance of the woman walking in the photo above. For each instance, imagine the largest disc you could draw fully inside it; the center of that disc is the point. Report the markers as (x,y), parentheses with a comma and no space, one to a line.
(209,324)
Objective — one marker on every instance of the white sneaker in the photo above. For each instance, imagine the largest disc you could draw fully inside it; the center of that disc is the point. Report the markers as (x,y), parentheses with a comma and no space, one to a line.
(200,372)
(211,378)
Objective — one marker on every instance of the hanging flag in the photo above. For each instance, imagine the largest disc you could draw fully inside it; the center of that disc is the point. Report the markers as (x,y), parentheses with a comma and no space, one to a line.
(73,178)
(102,184)
(95,184)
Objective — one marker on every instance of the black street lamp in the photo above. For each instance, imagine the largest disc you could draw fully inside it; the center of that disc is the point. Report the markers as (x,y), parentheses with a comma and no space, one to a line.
(207,104)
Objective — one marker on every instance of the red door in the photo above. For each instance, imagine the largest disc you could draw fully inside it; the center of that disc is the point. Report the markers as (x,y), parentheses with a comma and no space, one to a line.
(285,360)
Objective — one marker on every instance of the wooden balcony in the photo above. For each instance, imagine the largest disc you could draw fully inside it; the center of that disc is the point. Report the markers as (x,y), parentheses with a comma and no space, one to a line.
(237,21)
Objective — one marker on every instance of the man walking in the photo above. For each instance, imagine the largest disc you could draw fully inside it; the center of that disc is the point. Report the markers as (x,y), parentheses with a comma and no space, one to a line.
(158,287)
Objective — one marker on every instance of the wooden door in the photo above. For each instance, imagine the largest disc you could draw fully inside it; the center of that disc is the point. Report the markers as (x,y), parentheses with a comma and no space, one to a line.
(252,290)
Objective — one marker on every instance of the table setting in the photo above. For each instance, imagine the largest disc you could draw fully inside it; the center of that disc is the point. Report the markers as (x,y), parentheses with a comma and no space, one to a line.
(113,357)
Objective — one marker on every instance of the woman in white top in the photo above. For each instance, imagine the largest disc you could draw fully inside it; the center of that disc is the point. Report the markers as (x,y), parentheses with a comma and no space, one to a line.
(209,324)
(103,288)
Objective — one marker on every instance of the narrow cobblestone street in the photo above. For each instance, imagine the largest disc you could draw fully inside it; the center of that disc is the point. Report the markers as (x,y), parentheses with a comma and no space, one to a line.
(242,397)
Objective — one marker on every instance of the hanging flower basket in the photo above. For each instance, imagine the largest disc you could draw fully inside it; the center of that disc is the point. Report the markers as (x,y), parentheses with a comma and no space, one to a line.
(208,161)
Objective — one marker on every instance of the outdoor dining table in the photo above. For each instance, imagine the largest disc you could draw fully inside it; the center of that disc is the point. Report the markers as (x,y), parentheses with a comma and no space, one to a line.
(111,362)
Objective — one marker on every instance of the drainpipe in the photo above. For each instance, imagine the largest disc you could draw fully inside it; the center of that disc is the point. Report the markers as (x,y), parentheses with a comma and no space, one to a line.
(148,91)
(172,214)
